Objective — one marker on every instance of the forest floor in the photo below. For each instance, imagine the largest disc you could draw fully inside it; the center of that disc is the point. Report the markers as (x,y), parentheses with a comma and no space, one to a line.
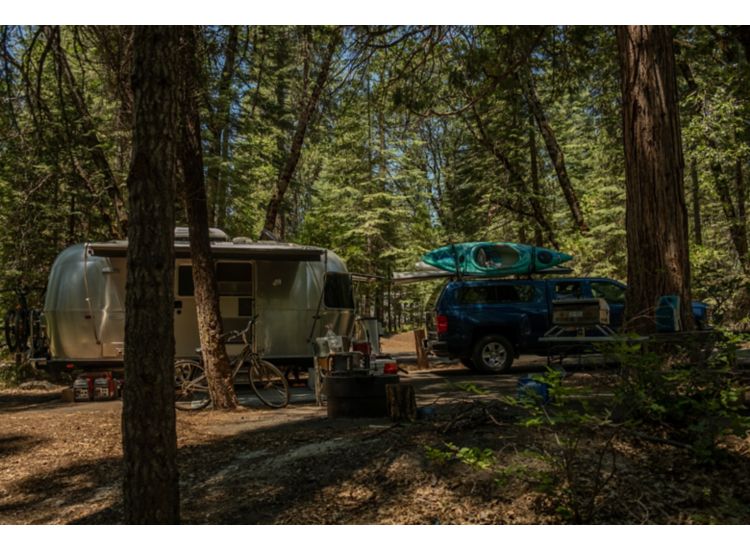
(61,462)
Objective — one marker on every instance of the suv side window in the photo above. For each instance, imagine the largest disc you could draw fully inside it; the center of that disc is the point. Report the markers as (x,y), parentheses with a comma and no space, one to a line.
(612,293)
(497,294)
(568,290)
(476,295)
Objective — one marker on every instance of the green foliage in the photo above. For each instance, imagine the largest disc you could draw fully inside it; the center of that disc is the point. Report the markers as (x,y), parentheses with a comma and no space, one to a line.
(422,136)
(481,459)
(697,399)
(11,374)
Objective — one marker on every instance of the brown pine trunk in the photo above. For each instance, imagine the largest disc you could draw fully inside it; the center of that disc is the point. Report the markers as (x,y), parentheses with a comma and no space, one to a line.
(150,480)
(217,364)
(656,215)
(554,150)
(290,165)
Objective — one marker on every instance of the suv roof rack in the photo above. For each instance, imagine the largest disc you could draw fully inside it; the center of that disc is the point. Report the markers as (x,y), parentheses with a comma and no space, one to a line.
(430,275)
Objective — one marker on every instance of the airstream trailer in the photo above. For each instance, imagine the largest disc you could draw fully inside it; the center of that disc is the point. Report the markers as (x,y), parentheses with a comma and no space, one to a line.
(296,291)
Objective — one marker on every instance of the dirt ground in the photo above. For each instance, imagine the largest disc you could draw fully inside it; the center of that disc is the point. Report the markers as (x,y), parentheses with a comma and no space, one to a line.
(60,463)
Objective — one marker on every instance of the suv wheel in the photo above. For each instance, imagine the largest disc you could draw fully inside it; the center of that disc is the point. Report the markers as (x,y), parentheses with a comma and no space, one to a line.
(493,354)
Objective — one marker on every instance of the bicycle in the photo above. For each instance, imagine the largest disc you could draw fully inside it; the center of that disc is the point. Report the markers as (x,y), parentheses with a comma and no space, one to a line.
(266,380)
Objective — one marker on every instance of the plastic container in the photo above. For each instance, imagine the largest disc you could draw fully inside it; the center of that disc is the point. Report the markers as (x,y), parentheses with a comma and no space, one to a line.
(668,314)
(104,389)
(83,389)
(529,389)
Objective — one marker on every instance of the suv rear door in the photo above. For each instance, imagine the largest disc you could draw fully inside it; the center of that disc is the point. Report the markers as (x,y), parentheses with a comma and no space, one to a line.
(487,301)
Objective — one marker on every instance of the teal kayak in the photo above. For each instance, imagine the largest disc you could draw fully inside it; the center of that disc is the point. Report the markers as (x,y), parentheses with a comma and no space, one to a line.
(493,258)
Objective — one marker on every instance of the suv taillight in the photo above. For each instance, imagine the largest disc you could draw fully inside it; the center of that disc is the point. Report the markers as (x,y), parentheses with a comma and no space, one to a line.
(441,323)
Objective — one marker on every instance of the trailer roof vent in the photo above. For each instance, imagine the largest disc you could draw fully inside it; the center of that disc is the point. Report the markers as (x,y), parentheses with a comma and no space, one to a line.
(214,234)
(242,240)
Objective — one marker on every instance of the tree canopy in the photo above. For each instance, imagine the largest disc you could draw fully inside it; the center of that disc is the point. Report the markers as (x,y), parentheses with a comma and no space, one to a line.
(414,136)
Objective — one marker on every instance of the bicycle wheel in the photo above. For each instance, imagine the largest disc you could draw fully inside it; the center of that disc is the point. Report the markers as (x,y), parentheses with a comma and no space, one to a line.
(269,384)
(190,386)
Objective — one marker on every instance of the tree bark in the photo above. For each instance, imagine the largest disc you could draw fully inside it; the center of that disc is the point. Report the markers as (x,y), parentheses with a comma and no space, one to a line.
(150,480)
(210,327)
(290,165)
(554,150)
(656,215)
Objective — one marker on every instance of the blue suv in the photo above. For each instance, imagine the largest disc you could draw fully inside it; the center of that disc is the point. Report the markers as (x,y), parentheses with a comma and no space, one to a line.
(486,323)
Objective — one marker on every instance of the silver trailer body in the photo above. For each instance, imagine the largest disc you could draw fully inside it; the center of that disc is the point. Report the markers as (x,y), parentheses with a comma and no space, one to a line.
(286,285)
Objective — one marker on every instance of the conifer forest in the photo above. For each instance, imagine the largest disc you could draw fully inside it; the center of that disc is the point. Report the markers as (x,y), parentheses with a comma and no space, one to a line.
(380,143)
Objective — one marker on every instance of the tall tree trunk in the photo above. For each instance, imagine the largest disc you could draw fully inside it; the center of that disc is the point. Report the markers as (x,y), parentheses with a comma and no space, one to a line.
(554,150)
(210,328)
(150,480)
(656,215)
(697,227)
(290,165)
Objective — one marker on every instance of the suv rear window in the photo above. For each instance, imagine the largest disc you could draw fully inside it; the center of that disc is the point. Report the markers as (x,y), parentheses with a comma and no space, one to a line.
(497,294)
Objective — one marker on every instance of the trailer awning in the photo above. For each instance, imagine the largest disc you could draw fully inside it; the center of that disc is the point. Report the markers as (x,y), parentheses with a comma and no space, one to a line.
(283,252)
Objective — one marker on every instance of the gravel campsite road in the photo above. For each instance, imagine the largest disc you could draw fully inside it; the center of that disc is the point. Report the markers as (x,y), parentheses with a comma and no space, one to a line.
(61,462)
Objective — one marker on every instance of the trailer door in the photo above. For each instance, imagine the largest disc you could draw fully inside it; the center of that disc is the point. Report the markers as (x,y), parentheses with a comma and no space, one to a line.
(235,284)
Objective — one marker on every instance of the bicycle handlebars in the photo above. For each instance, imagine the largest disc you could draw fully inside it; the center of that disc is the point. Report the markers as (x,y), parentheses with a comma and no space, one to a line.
(242,333)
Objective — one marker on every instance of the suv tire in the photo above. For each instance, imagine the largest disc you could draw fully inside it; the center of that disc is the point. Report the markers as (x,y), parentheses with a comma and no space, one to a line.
(493,354)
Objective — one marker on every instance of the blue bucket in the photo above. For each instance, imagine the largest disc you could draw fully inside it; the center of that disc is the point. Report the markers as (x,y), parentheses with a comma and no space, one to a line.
(529,389)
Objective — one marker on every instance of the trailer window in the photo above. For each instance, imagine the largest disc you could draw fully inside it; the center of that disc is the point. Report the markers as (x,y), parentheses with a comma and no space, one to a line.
(185,281)
(232,278)
(338,291)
